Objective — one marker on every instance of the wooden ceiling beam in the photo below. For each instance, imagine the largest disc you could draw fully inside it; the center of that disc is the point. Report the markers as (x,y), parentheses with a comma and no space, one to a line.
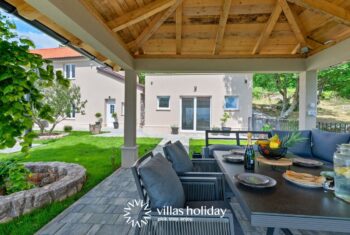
(295,24)
(222,25)
(178,29)
(139,14)
(156,22)
(340,14)
(268,29)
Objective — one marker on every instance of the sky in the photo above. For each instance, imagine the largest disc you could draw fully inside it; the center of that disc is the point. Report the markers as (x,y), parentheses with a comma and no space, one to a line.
(40,39)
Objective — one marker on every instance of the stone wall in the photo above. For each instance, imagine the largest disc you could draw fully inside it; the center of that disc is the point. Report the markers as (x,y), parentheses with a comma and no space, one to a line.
(69,180)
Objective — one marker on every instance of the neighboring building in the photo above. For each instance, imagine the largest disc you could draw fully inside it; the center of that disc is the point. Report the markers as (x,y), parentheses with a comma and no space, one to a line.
(197,102)
(100,86)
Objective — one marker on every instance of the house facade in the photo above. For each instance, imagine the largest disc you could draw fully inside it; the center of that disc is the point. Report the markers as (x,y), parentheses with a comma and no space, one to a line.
(197,102)
(100,86)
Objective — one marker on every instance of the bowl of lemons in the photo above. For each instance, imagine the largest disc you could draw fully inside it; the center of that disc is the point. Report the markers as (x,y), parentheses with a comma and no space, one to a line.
(275,147)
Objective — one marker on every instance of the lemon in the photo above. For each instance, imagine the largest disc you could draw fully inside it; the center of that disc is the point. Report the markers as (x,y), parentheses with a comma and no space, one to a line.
(345,171)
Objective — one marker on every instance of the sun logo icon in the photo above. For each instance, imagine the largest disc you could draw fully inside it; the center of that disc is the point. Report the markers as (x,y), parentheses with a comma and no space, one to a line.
(131,212)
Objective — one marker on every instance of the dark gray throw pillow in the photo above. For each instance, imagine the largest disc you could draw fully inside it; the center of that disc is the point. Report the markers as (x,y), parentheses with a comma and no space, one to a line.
(180,145)
(178,157)
(324,144)
(162,184)
(302,149)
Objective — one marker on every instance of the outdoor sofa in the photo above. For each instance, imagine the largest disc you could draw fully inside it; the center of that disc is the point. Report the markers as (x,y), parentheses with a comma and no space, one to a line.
(318,144)
(159,185)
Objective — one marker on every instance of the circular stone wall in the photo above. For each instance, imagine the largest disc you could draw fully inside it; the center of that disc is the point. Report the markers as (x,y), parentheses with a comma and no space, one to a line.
(69,179)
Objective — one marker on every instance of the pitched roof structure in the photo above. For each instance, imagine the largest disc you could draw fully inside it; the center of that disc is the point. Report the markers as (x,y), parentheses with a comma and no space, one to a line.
(205,28)
(57,53)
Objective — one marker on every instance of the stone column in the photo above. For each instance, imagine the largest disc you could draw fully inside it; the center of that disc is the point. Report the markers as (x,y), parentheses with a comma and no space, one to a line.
(129,150)
(308,100)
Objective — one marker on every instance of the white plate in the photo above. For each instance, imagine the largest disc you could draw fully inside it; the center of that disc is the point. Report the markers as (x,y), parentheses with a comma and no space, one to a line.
(301,184)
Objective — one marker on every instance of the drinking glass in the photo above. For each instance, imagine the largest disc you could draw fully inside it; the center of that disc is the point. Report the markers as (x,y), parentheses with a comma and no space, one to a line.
(342,172)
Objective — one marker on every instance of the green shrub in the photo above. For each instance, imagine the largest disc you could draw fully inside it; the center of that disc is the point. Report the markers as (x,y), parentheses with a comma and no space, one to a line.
(14,176)
(67,128)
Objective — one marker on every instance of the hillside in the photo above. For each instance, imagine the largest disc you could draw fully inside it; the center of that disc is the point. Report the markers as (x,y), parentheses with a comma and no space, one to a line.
(331,108)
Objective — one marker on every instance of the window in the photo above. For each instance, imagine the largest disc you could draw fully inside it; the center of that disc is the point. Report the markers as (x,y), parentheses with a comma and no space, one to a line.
(69,70)
(71,114)
(231,102)
(112,108)
(163,102)
(123,109)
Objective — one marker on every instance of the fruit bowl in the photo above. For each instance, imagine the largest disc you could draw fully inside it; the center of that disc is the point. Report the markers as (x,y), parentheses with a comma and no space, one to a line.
(272,153)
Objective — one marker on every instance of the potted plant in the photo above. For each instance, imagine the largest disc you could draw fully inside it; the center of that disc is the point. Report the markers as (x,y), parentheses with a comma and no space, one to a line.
(224,120)
(99,119)
(174,129)
(215,129)
(115,123)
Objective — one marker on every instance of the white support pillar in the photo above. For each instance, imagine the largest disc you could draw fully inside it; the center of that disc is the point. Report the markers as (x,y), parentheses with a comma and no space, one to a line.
(129,150)
(308,100)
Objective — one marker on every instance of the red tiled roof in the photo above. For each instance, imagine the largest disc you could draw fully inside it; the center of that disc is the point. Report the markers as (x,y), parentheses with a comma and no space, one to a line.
(56,53)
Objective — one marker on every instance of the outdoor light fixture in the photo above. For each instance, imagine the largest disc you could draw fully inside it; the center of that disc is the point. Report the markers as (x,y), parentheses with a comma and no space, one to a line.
(195,88)
(304,50)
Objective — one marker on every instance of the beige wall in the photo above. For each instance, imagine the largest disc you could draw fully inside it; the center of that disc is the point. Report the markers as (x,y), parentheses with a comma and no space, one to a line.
(216,86)
(96,88)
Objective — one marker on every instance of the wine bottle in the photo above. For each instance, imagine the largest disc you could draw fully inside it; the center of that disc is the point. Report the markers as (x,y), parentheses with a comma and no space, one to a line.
(249,155)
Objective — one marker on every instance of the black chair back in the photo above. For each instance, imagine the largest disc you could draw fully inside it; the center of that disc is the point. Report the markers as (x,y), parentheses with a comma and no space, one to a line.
(135,171)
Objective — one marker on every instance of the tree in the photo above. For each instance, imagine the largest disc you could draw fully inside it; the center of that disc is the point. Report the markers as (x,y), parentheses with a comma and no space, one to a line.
(63,101)
(19,71)
(281,83)
(337,79)
(142,77)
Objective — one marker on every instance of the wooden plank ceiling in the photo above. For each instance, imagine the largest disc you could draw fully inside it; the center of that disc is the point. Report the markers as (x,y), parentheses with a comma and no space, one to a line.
(221,28)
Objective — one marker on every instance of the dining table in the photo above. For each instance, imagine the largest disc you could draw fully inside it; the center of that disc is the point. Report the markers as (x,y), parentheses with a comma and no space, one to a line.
(286,205)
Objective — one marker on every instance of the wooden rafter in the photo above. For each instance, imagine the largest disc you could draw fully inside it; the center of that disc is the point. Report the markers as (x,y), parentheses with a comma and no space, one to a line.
(340,14)
(139,14)
(295,25)
(178,29)
(222,25)
(268,29)
(156,22)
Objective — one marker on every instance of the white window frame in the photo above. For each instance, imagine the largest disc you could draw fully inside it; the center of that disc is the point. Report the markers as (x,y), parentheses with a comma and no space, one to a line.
(163,108)
(70,75)
(194,130)
(231,109)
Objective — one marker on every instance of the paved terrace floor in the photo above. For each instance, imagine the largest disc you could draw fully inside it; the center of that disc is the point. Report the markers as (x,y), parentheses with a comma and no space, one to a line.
(101,210)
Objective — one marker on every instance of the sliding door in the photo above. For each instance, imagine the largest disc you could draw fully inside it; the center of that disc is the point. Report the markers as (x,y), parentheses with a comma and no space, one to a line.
(195,113)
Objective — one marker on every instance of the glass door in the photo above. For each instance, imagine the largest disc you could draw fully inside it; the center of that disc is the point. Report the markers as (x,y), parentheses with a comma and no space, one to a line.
(203,114)
(195,113)
(187,122)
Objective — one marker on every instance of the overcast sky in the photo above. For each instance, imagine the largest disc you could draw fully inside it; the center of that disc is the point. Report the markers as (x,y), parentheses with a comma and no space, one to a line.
(40,39)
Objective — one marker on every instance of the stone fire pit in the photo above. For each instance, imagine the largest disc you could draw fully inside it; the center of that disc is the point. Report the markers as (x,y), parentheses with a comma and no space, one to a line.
(58,180)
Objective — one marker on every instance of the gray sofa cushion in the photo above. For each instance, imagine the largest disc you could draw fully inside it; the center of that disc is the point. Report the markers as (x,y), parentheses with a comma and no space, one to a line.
(302,149)
(324,143)
(162,184)
(208,152)
(178,157)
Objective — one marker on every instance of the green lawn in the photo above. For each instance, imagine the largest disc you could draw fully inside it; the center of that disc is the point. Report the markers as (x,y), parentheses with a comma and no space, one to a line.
(79,147)
(197,144)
